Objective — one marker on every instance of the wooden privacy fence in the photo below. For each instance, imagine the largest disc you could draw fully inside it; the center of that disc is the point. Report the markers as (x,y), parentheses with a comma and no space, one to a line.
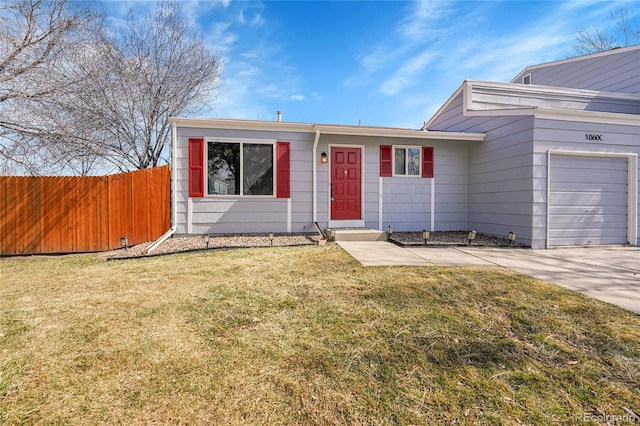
(83,214)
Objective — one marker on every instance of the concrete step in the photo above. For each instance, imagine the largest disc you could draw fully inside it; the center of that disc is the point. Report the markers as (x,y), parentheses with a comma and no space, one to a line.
(359,234)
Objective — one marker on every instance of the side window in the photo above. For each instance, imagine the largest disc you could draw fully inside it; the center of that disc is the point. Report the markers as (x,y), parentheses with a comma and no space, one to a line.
(406,161)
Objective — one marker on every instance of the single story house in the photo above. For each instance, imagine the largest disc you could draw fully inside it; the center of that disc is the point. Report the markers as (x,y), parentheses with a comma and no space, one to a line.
(551,155)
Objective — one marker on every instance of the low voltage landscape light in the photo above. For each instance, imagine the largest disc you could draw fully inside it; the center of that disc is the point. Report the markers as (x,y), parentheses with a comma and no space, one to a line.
(124,242)
(323,158)
(425,235)
(271,238)
(512,237)
(389,231)
(472,236)
(206,240)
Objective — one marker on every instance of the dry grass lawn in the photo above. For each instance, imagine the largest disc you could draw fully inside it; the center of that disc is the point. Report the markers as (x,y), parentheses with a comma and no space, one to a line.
(305,335)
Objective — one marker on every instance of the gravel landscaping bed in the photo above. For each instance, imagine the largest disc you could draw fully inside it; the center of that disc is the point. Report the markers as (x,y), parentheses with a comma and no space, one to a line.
(451,238)
(199,242)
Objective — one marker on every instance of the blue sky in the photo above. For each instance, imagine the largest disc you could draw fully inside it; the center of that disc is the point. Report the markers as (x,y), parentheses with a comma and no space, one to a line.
(379,63)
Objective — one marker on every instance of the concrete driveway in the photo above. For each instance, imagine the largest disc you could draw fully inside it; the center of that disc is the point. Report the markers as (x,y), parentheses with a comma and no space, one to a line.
(611,274)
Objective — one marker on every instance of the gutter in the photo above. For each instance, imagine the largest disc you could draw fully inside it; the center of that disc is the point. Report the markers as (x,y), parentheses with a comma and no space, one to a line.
(314,176)
(174,200)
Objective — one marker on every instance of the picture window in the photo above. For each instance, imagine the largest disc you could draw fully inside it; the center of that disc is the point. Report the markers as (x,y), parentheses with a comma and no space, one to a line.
(240,168)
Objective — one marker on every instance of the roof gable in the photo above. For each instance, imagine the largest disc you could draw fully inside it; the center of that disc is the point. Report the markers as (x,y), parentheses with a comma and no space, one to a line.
(477,98)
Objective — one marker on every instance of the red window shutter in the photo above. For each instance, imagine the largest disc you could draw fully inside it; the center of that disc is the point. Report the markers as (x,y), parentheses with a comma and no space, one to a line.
(427,162)
(283,170)
(196,167)
(386,169)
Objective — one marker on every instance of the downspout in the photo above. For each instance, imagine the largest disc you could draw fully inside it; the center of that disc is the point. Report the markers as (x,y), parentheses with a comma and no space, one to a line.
(314,177)
(174,200)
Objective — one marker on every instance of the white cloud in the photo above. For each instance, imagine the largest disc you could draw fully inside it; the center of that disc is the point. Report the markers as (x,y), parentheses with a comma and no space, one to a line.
(251,15)
(421,24)
(247,70)
(423,17)
(501,58)
(405,75)
(298,97)
(219,37)
(375,59)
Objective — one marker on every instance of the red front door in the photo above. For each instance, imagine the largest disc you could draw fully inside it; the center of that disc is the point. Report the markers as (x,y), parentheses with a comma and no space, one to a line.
(346,176)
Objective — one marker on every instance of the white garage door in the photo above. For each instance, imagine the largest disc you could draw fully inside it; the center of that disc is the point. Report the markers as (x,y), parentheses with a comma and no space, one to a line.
(587,200)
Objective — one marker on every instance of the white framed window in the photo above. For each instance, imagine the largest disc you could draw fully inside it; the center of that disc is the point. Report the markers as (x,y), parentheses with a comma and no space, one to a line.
(240,167)
(526,79)
(407,161)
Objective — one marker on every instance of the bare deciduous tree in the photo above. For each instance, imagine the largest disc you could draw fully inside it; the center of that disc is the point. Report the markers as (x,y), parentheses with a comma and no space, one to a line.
(155,68)
(35,39)
(603,39)
(99,98)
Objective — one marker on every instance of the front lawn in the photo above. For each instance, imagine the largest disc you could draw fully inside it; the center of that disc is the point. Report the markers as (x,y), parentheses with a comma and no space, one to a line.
(305,335)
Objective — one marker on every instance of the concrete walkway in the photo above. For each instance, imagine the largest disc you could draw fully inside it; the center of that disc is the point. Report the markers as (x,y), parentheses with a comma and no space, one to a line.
(611,274)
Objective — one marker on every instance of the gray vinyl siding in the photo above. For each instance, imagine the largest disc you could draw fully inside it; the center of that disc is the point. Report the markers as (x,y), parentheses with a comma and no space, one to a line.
(229,214)
(371,187)
(406,201)
(450,173)
(500,171)
(614,71)
(557,135)
(450,117)
(501,178)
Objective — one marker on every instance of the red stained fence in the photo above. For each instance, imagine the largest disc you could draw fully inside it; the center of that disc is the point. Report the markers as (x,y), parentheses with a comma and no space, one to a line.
(83,214)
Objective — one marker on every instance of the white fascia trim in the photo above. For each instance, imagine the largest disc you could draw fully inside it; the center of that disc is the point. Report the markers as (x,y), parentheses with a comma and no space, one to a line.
(561,114)
(592,116)
(392,132)
(467,90)
(370,131)
(446,105)
(548,113)
(234,124)
(533,89)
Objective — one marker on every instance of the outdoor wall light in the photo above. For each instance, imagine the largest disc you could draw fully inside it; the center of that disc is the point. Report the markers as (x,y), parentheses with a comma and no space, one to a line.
(425,235)
(472,236)
(323,158)
(512,237)
(271,238)
(124,242)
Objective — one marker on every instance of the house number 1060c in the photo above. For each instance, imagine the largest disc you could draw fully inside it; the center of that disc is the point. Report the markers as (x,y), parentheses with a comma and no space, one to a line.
(592,137)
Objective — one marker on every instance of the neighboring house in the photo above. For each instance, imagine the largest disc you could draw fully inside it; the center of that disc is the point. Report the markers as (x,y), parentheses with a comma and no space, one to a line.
(554,160)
